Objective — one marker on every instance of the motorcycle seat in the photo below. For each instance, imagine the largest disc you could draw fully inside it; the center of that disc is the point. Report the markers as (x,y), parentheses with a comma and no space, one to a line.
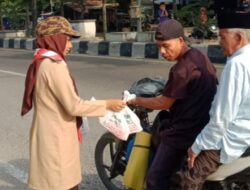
(234,167)
(148,87)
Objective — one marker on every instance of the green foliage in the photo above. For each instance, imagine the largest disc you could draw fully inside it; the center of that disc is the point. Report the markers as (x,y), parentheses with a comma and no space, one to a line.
(110,1)
(42,5)
(14,10)
(188,14)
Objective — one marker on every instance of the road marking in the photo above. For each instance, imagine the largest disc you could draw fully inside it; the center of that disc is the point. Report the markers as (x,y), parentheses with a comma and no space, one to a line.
(13,73)
(14,172)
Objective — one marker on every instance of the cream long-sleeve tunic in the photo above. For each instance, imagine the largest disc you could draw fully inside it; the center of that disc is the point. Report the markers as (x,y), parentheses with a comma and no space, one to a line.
(54,146)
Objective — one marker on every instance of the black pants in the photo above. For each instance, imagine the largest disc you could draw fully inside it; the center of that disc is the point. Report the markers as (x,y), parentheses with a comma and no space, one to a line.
(166,162)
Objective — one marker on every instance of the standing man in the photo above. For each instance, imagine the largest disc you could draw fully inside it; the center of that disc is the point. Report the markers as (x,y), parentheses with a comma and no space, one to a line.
(227,135)
(188,95)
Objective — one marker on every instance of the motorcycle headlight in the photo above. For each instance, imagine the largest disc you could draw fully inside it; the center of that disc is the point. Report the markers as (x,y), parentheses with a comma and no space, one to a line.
(213,27)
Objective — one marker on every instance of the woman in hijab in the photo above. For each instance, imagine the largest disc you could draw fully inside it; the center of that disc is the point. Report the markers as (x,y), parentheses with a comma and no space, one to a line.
(55,131)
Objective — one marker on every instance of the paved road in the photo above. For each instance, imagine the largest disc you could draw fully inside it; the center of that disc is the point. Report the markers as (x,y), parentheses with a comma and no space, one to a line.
(101,77)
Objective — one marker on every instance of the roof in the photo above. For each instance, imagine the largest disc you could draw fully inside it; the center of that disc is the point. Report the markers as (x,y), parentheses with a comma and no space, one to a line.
(89,4)
(165,1)
(97,4)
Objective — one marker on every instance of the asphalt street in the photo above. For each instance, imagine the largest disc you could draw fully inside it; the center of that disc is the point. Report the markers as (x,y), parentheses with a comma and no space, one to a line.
(100,77)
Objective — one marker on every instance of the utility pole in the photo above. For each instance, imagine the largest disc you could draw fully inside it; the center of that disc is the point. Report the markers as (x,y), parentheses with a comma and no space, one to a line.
(34,16)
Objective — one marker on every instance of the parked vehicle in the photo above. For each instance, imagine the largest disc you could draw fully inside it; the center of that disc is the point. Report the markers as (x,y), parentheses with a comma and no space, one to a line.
(6,23)
(112,154)
(205,32)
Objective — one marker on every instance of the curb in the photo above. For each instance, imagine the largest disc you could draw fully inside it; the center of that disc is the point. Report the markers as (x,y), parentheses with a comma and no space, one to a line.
(140,50)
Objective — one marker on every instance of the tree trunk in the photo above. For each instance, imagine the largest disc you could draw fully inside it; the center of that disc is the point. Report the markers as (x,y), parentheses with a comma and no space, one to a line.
(62,7)
(174,7)
(82,8)
(104,16)
(1,19)
(139,19)
(34,16)
(27,22)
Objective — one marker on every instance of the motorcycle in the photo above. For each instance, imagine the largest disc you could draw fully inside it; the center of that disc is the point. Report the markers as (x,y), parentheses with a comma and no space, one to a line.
(205,32)
(112,154)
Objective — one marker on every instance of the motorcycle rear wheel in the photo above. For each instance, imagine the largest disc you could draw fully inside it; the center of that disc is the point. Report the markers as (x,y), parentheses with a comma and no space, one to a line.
(109,170)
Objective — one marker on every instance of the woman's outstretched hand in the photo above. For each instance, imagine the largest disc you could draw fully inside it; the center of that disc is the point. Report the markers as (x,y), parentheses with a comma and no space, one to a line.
(115,105)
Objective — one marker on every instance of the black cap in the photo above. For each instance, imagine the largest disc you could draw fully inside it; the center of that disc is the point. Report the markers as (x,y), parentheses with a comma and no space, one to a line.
(169,29)
(234,19)
(225,5)
(232,14)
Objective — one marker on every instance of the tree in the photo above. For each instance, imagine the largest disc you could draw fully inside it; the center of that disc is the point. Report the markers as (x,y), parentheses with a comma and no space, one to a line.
(79,2)
(14,10)
(1,15)
(37,7)
(104,16)
(27,22)
(34,15)
(43,4)
(188,13)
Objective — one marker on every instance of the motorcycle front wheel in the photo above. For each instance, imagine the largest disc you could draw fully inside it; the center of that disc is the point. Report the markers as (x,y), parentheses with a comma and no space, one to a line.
(110,160)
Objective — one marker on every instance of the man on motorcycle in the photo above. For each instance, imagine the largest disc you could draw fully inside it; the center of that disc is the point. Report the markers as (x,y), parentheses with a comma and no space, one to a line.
(227,135)
(188,95)
(203,24)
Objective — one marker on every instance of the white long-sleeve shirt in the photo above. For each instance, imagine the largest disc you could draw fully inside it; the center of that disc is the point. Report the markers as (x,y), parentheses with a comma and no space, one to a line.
(229,127)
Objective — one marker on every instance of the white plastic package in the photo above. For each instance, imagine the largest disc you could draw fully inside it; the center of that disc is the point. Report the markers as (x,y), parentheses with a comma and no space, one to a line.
(123,123)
